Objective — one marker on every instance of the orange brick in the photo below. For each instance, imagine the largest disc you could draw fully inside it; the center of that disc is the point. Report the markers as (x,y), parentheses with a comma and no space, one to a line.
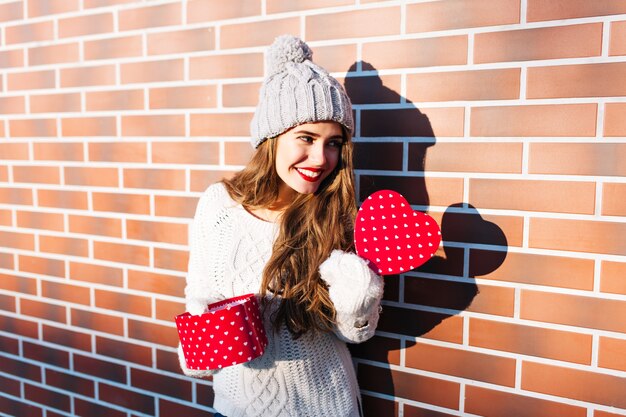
(575,235)
(335,58)
(6,219)
(539,10)
(464,85)
(36,220)
(449,50)
(58,151)
(615,119)
(613,201)
(353,24)
(65,292)
(575,384)
(534,120)
(12,11)
(31,32)
(19,284)
(493,300)
(97,321)
(33,80)
(12,105)
(221,124)
(169,206)
(124,253)
(113,48)
(442,191)
(154,333)
(33,128)
(114,100)
(152,71)
(150,17)
(534,269)
(16,196)
(50,103)
(92,225)
(617,39)
(93,177)
(156,283)
(573,310)
(530,340)
(121,203)
(115,301)
(237,153)
(226,66)
(118,152)
(612,277)
(546,196)
(17,240)
(62,199)
(612,353)
(6,261)
(89,126)
(458,14)
(16,151)
(88,76)
(122,350)
(96,273)
(598,413)
(243,35)
(13,58)
(281,6)
(175,260)
(158,125)
(467,157)
(197,96)
(572,41)
(436,326)
(53,54)
(490,403)
(43,266)
(425,122)
(372,89)
(86,25)
(588,80)
(400,384)
(45,311)
(165,309)
(240,95)
(152,231)
(46,7)
(64,245)
(185,152)
(176,42)
(36,174)
(460,363)
(211,10)
(200,180)
(157,179)
(578,158)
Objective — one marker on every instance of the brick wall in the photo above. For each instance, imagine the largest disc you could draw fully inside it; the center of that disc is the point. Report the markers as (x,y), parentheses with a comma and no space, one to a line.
(504,119)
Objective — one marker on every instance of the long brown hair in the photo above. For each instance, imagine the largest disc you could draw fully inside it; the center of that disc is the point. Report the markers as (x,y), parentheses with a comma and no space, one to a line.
(311,227)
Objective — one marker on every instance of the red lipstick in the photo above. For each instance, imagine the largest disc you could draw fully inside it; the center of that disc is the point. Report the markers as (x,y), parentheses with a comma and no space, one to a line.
(307,178)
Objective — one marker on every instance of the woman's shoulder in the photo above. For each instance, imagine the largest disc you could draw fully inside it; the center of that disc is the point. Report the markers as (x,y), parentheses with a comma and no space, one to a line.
(214,199)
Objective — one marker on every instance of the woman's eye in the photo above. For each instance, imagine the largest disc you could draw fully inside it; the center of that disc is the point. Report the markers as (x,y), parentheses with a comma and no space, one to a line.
(335,143)
(307,139)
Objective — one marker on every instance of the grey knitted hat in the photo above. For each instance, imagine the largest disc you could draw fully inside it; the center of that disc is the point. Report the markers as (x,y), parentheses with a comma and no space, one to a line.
(296,91)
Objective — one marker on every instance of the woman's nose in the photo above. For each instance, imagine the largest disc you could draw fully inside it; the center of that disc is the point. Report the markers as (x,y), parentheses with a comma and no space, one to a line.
(317,154)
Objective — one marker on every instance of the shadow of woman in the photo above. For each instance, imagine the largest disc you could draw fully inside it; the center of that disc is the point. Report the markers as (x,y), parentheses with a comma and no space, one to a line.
(417,304)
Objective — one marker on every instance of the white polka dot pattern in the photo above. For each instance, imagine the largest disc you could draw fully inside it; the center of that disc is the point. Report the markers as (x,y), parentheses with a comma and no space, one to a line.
(230,333)
(391,236)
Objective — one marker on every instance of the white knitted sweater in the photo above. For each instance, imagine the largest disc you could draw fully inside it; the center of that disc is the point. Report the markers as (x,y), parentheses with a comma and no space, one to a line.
(310,376)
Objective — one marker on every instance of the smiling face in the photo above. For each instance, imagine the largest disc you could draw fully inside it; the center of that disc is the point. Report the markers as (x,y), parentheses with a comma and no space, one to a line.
(305,155)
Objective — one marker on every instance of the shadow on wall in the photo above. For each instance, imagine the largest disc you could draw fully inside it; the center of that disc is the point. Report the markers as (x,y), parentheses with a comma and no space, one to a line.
(461,223)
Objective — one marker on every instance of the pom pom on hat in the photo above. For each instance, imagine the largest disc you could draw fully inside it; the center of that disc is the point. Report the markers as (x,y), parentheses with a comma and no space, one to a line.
(286,48)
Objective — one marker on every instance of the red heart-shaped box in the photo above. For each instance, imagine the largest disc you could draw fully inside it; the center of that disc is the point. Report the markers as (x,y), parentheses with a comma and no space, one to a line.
(229,333)
(393,237)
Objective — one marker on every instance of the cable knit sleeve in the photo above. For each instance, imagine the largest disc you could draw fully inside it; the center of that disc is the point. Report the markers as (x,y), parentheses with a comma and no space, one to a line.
(356,292)
(206,266)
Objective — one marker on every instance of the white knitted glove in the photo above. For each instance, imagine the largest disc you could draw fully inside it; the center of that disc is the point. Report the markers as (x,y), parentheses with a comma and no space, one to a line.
(355,291)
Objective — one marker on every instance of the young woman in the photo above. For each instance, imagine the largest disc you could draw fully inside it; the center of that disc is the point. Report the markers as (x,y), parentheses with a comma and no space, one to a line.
(282,228)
